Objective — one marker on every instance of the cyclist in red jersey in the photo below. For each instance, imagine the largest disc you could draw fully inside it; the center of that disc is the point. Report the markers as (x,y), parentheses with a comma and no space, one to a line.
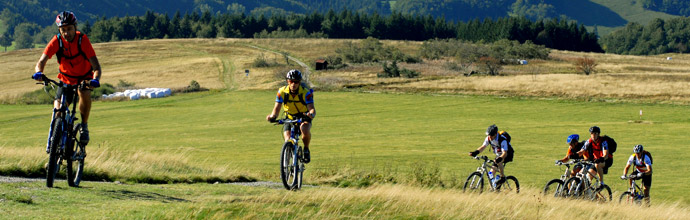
(77,61)
(599,150)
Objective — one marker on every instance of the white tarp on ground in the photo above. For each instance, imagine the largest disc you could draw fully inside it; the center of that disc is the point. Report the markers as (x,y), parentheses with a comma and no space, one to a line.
(140,93)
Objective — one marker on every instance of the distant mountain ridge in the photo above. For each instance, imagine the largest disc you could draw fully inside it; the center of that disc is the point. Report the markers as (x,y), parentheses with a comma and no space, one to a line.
(603,13)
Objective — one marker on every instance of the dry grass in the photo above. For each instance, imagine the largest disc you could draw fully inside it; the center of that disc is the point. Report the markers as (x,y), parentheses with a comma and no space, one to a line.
(221,63)
(397,201)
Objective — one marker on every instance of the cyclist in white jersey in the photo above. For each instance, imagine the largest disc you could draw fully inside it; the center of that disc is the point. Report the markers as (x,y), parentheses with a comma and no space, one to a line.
(643,169)
(500,145)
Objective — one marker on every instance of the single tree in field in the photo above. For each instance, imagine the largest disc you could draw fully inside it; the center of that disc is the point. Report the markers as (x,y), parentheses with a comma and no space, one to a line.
(5,40)
(490,65)
(586,65)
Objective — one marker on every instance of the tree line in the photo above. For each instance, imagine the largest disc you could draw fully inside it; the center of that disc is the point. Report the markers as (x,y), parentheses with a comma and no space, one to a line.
(553,33)
(659,36)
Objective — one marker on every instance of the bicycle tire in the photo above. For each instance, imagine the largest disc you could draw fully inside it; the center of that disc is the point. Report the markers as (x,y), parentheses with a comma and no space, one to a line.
(602,194)
(55,138)
(510,184)
(287,169)
(474,182)
(74,172)
(299,171)
(555,187)
(628,198)
(574,187)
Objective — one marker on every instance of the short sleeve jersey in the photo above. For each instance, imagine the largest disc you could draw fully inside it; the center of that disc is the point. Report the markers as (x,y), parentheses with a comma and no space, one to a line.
(639,163)
(495,145)
(292,103)
(78,66)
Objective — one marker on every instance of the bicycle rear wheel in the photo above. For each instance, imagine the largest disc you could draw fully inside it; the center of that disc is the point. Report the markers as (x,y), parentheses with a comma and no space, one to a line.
(602,194)
(53,160)
(474,183)
(510,184)
(288,170)
(75,158)
(554,187)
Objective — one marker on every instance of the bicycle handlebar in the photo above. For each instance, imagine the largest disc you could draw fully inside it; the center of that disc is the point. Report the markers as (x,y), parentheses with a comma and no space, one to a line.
(283,121)
(46,81)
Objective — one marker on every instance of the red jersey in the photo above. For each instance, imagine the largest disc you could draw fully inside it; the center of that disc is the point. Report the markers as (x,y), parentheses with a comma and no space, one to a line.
(73,66)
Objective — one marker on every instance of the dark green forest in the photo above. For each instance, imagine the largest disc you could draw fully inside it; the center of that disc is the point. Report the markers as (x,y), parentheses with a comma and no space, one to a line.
(553,33)
(657,37)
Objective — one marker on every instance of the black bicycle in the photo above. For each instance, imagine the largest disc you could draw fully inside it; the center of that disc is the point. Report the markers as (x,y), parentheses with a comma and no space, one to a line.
(580,186)
(63,140)
(291,164)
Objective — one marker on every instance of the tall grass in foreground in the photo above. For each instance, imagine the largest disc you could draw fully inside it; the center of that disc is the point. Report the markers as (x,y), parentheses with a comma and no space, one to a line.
(386,201)
(104,163)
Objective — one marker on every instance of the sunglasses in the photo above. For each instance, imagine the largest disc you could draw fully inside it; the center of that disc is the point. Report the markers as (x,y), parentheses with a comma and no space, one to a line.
(293,81)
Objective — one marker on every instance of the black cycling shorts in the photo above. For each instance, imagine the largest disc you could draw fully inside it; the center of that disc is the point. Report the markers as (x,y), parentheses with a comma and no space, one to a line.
(67,91)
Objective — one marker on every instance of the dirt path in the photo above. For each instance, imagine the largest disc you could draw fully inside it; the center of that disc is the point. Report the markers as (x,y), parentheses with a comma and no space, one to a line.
(305,68)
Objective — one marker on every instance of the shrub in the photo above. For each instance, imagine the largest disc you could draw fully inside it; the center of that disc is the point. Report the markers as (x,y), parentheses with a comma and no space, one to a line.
(105,89)
(193,87)
(262,61)
(586,65)
(372,50)
(394,71)
(335,62)
(490,65)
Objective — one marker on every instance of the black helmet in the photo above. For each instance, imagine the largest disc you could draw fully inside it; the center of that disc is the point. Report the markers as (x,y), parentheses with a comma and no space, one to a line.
(594,129)
(638,148)
(294,75)
(65,18)
(492,130)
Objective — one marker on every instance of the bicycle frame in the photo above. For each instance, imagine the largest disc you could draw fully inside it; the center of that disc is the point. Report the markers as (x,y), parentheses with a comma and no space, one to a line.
(297,166)
(69,116)
(484,171)
(634,189)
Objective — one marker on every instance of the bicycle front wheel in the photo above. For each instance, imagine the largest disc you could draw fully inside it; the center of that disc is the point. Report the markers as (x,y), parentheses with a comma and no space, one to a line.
(628,198)
(510,184)
(554,187)
(474,183)
(572,187)
(288,170)
(602,194)
(53,160)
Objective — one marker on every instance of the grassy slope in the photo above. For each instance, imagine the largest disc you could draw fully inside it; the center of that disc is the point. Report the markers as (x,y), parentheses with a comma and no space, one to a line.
(630,12)
(223,135)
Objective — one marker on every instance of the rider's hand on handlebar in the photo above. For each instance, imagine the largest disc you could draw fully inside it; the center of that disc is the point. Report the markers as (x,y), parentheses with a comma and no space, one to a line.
(271,118)
(94,83)
(558,162)
(38,76)
(474,153)
(623,177)
(639,175)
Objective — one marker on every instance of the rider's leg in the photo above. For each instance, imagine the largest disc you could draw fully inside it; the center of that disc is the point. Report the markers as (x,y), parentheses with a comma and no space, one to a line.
(646,185)
(500,170)
(85,105)
(600,171)
(286,135)
(85,110)
(306,133)
(306,138)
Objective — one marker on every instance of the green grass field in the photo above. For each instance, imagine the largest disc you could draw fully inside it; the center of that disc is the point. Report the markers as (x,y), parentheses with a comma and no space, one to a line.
(224,135)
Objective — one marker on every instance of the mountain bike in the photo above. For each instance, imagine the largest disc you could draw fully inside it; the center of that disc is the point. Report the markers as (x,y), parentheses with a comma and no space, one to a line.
(63,141)
(291,164)
(580,186)
(555,186)
(475,182)
(634,195)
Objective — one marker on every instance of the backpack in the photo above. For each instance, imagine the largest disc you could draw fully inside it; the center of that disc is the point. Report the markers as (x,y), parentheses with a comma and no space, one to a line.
(503,135)
(644,152)
(611,143)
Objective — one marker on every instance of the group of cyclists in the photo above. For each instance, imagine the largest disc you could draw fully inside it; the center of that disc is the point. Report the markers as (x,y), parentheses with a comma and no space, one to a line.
(594,149)
(78,63)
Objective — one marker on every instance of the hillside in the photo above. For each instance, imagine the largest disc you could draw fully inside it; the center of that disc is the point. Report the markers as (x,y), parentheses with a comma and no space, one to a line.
(600,13)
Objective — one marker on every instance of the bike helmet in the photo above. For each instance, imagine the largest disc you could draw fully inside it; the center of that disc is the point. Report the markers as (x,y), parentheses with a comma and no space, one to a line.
(492,130)
(638,148)
(294,75)
(594,129)
(65,18)
(572,137)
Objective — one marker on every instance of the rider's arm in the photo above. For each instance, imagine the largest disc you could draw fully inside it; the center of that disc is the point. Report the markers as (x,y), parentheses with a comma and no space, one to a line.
(274,113)
(312,111)
(648,163)
(96,66)
(41,64)
(605,149)
(504,149)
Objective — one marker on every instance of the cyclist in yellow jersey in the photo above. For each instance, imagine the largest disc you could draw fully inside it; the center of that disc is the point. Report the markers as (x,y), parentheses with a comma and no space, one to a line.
(297,102)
